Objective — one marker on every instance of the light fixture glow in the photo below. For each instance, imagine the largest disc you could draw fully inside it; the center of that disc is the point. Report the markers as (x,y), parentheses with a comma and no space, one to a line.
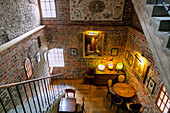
(101,66)
(92,32)
(110,65)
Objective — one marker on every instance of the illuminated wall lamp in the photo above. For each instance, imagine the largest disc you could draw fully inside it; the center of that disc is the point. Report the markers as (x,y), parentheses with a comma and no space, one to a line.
(92,32)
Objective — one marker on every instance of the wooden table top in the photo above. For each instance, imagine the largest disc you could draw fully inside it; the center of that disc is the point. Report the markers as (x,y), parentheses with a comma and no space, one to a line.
(67,105)
(124,90)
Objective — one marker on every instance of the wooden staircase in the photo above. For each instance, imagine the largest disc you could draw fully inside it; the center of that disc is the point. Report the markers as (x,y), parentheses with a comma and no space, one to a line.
(154,16)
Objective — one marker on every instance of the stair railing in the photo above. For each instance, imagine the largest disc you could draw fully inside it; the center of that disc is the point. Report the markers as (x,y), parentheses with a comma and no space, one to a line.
(38,94)
(167,8)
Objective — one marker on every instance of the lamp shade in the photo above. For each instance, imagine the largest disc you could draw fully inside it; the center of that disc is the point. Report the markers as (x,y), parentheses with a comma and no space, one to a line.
(119,66)
(110,65)
(101,66)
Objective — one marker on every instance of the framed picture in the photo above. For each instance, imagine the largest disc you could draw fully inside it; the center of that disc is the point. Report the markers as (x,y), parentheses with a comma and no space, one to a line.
(73,51)
(130,60)
(127,55)
(38,58)
(151,85)
(93,44)
(45,56)
(141,68)
(114,51)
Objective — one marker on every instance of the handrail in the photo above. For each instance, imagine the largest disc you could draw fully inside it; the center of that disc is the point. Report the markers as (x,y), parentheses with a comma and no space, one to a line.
(42,92)
(27,81)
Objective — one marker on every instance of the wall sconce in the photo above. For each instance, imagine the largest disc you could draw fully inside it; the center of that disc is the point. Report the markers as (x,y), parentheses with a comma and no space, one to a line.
(92,32)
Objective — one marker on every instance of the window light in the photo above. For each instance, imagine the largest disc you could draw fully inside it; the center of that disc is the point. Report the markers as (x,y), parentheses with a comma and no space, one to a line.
(48,8)
(55,58)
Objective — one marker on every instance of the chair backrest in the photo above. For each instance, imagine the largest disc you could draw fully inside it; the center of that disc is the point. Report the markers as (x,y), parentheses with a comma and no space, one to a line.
(72,91)
(109,83)
(121,78)
(82,107)
(135,107)
(89,73)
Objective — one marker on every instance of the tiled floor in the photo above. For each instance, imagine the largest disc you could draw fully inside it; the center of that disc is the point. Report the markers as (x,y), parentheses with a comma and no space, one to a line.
(95,97)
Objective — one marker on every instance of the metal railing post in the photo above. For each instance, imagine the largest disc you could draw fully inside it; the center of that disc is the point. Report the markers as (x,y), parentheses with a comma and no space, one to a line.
(12,100)
(27,98)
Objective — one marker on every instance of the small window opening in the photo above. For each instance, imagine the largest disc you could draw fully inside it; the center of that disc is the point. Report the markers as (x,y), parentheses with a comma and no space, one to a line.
(48,8)
(163,102)
(55,58)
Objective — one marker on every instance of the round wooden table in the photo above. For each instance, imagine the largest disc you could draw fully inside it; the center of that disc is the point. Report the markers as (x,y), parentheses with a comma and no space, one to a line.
(124,90)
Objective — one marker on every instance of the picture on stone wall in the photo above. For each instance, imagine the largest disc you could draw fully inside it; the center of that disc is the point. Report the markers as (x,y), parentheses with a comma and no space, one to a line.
(114,51)
(130,60)
(141,68)
(45,56)
(38,58)
(151,85)
(73,51)
(111,10)
(127,55)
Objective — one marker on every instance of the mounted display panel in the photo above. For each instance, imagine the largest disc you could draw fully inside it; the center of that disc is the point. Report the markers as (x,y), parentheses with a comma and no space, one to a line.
(141,67)
(93,44)
(91,10)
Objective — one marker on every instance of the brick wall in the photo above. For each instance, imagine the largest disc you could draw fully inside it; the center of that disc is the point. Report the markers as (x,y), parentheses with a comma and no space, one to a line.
(17,17)
(12,65)
(63,16)
(67,37)
(135,21)
(137,43)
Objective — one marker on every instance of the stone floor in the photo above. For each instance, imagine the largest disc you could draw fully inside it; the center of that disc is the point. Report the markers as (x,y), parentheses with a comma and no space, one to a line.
(95,97)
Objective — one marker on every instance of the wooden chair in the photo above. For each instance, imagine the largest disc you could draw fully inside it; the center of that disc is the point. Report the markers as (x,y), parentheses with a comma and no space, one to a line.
(117,101)
(89,75)
(68,91)
(109,88)
(119,79)
(133,108)
(80,108)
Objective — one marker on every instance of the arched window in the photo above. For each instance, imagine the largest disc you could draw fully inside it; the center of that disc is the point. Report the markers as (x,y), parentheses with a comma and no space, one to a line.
(163,102)
(55,58)
(28,67)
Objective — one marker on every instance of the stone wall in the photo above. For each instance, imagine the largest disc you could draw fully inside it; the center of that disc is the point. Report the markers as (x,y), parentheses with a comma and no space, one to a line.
(137,43)
(12,65)
(17,17)
(71,36)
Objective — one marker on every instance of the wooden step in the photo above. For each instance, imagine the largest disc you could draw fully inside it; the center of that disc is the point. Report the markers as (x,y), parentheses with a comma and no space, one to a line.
(164,25)
(159,1)
(159,11)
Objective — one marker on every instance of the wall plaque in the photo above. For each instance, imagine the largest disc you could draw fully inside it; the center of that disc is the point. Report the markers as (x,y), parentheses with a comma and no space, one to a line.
(90,10)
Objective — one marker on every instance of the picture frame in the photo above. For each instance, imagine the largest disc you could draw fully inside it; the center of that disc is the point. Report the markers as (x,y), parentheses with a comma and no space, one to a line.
(127,55)
(38,57)
(131,60)
(93,44)
(151,85)
(141,68)
(45,56)
(73,51)
(114,51)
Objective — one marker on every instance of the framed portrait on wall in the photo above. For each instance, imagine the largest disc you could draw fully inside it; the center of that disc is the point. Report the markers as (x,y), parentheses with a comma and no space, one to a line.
(73,51)
(151,85)
(38,57)
(45,56)
(127,55)
(130,60)
(114,51)
(141,68)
